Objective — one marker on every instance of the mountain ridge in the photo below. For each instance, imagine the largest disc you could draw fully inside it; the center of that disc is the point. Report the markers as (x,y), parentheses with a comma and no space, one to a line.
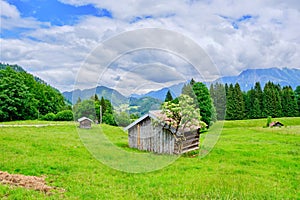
(247,79)
(102,91)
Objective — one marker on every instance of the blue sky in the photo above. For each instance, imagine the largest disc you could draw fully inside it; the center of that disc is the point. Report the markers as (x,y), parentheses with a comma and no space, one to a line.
(55,12)
(53,38)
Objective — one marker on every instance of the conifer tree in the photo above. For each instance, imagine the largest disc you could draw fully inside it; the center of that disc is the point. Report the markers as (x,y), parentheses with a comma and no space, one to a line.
(103,105)
(259,95)
(230,104)
(272,100)
(249,103)
(226,89)
(256,111)
(297,94)
(289,102)
(168,96)
(187,89)
(204,101)
(107,111)
(97,107)
(192,82)
(239,102)
(96,97)
(217,93)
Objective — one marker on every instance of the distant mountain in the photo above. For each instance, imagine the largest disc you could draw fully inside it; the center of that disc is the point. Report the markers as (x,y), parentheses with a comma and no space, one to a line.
(249,77)
(137,106)
(114,96)
(246,79)
(161,93)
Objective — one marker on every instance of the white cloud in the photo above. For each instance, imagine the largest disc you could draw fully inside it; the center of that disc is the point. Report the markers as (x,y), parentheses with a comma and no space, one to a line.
(10,18)
(8,10)
(269,39)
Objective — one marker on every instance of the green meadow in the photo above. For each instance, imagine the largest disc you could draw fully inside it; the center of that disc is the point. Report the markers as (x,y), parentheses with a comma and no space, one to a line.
(247,162)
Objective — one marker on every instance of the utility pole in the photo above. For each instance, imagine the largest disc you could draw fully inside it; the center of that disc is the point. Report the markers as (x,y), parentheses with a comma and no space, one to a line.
(100,121)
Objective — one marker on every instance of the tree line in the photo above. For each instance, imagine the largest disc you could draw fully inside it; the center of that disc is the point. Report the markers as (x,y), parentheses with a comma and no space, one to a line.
(24,97)
(231,103)
(201,100)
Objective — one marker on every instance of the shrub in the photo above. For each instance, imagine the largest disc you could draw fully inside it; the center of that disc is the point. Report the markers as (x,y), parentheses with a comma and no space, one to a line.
(65,115)
(269,120)
(109,119)
(122,119)
(49,117)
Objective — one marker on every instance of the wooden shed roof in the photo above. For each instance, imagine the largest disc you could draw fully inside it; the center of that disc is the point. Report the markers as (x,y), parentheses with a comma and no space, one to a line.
(84,118)
(158,115)
(152,114)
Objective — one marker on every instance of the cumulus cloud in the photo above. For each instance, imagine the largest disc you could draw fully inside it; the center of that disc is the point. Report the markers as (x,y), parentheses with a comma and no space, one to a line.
(235,35)
(8,10)
(11,18)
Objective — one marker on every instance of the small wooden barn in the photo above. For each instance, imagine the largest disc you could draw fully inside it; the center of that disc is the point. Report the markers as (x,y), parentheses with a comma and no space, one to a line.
(143,134)
(85,122)
(276,124)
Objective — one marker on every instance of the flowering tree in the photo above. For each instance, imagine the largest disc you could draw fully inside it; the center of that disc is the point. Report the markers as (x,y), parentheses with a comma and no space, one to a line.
(182,116)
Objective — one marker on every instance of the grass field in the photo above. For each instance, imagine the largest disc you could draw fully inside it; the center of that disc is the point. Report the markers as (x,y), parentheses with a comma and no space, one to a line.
(248,162)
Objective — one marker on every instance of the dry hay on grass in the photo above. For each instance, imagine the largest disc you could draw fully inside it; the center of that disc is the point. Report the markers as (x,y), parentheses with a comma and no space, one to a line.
(29,182)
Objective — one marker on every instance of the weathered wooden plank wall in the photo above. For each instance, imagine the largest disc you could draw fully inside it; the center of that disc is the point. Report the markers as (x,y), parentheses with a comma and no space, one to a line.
(191,142)
(145,136)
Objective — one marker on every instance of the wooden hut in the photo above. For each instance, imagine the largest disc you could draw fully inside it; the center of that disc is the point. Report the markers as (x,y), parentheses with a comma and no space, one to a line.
(276,124)
(85,122)
(144,134)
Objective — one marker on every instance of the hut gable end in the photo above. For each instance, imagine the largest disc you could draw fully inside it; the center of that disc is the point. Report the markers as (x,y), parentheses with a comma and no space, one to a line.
(85,122)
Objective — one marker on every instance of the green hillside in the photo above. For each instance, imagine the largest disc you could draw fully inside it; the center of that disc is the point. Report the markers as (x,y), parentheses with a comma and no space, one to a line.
(143,105)
(23,96)
(17,68)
